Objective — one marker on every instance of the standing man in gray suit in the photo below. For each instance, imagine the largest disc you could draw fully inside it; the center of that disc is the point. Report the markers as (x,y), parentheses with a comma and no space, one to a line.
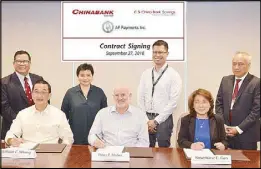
(238,101)
(16,89)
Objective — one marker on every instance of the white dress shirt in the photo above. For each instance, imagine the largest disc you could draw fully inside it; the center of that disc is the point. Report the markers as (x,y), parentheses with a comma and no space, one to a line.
(41,127)
(232,102)
(128,129)
(166,92)
(239,85)
(21,79)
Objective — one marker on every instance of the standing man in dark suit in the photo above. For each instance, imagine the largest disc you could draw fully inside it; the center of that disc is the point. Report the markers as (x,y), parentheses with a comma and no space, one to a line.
(238,101)
(16,89)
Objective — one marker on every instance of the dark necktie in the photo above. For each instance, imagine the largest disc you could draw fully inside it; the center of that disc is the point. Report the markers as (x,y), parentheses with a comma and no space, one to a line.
(236,89)
(28,91)
(234,96)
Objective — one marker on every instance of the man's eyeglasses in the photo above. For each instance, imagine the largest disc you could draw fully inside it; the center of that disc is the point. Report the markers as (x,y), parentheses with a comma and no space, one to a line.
(158,52)
(22,62)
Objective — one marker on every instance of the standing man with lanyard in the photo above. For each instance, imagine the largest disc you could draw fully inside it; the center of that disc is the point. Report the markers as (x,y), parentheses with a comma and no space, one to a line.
(158,94)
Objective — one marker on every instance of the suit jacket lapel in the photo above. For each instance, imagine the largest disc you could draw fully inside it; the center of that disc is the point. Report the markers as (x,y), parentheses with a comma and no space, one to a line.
(33,79)
(244,85)
(17,83)
(192,127)
(230,89)
(212,126)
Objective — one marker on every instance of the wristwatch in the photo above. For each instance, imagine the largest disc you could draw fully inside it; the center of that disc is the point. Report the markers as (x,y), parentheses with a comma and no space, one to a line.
(8,142)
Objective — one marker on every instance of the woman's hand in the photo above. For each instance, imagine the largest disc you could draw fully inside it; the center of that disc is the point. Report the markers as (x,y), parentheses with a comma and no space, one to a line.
(197,146)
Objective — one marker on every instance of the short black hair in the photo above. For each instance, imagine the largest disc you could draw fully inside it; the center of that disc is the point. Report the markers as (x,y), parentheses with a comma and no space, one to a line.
(20,52)
(43,82)
(84,66)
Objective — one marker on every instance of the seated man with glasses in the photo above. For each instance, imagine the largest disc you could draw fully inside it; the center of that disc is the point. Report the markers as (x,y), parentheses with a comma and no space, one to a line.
(120,125)
(40,123)
(16,89)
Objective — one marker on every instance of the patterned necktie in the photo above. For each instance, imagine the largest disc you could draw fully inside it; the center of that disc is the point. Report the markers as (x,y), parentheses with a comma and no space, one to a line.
(236,89)
(28,91)
(234,95)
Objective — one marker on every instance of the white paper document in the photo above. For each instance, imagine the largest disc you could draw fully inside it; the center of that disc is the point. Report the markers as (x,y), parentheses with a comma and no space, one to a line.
(110,149)
(28,145)
(204,152)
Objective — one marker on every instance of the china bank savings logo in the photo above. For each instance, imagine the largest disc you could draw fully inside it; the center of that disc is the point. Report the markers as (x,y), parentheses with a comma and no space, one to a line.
(105,13)
(107,27)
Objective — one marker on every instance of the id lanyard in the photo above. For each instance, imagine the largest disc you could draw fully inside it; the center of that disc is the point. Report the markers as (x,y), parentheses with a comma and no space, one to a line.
(154,83)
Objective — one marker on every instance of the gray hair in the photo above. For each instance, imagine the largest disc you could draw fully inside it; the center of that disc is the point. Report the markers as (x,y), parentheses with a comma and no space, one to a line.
(245,55)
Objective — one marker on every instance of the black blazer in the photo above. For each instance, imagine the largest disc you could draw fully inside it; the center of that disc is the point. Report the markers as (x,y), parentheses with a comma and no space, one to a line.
(187,131)
(13,99)
(246,109)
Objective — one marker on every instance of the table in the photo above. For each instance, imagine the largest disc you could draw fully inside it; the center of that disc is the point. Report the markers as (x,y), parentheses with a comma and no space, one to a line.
(79,156)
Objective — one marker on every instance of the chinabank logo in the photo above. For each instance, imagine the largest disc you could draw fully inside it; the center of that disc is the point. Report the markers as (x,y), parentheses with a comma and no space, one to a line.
(107,27)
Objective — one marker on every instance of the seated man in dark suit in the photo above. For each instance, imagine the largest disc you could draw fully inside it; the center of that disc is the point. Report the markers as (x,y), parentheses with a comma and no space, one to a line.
(16,89)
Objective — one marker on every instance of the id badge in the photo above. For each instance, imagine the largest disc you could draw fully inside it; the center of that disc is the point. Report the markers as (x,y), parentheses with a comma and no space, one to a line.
(151,106)
(232,103)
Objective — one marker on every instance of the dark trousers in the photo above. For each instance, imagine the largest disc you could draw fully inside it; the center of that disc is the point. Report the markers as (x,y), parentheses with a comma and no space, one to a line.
(235,143)
(163,132)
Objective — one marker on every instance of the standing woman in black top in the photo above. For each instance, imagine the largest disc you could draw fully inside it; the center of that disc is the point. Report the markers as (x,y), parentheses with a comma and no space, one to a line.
(82,102)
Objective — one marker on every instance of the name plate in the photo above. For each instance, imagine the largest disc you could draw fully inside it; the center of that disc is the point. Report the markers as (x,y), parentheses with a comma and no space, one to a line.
(100,156)
(18,153)
(216,159)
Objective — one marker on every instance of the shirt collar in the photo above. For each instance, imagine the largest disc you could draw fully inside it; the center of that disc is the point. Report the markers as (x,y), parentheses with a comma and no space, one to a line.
(78,88)
(46,110)
(113,109)
(242,78)
(162,68)
(21,77)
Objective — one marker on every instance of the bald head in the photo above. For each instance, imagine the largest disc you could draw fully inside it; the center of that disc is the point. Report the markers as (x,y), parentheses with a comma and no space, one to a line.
(121,88)
(122,96)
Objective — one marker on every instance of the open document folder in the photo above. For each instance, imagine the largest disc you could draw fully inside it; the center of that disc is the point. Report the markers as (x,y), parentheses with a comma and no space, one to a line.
(204,152)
